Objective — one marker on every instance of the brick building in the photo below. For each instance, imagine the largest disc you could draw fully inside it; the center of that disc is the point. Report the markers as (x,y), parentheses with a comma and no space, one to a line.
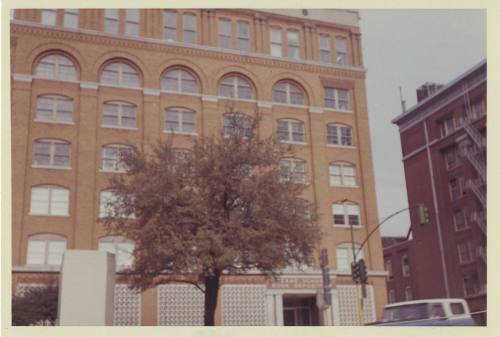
(85,82)
(443,141)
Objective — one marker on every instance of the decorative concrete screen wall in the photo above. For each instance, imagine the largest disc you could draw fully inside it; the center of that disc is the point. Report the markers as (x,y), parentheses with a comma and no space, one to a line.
(22,288)
(244,305)
(180,304)
(347,305)
(127,306)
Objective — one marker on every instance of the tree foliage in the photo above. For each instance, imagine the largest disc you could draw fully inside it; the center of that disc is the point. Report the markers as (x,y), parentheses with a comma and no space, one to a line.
(37,306)
(222,208)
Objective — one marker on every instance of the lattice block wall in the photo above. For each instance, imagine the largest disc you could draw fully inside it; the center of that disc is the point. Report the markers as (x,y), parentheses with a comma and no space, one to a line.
(244,304)
(127,305)
(180,304)
(347,305)
(21,288)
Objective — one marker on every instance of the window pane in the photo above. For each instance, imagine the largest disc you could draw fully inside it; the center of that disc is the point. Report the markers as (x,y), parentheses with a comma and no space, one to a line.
(189,23)
(55,252)
(62,155)
(279,93)
(332,134)
(125,257)
(283,130)
(132,29)
(111,26)
(243,36)
(343,99)
(170,25)
(36,252)
(341,49)
(42,153)
(346,138)
(293,44)
(71,18)
(297,132)
(226,88)
(244,89)
(188,82)
(49,17)
(224,34)
(128,116)
(172,120)
(59,201)
(39,200)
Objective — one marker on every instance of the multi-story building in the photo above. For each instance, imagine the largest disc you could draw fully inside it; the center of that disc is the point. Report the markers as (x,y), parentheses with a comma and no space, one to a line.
(85,82)
(443,141)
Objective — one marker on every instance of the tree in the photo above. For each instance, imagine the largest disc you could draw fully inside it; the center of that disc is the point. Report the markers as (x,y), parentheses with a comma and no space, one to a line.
(37,306)
(225,207)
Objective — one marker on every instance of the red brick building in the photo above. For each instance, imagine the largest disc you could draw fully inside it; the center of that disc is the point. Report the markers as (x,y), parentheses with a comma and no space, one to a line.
(443,140)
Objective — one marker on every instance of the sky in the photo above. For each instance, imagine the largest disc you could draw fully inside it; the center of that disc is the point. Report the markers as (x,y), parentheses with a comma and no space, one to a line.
(408,48)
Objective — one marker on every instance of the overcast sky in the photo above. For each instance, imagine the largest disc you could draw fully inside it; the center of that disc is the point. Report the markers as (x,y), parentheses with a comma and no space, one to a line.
(408,48)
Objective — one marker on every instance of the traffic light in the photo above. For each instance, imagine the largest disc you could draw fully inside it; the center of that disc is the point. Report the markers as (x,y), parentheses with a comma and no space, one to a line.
(423,214)
(355,271)
(363,275)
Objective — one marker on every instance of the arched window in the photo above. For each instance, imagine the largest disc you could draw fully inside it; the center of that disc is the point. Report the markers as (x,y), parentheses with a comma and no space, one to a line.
(45,249)
(346,214)
(49,200)
(339,134)
(235,86)
(344,256)
(51,153)
(119,114)
(179,80)
(292,169)
(288,92)
(342,174)
(112,157)
(120,73)
(54,108)
(234,123)
(56,67)
(180,120)
(291,130)
(121,247)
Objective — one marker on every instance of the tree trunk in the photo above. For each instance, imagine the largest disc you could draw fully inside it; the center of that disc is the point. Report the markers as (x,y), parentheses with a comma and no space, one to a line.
(211,294)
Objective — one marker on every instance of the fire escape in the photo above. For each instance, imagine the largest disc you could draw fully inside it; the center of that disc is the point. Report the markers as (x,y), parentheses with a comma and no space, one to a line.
(476,155)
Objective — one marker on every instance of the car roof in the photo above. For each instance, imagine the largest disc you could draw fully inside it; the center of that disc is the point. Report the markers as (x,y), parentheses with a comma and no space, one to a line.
(431,300)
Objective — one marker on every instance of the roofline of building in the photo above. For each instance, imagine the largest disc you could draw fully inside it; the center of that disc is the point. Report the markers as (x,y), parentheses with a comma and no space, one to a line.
(441,91)
(396,244)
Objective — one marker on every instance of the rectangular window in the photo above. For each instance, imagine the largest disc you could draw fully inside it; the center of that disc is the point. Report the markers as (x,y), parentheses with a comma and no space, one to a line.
(119,115)
(276,48)
(180,121)
(477,109)
(471,284)
(132,22)
(455,188)
(341,50)
(111,21)
(405,265)
(447,126)
(54,109)
(243,36)
(189,28)
(71,18)
(51,153)
(49,17)
(325,53)
(337,98)
(293,44)
(346,214)
(170,25)
(451,157)
(224,33)
(49,200)
(465,252)
(388,268)
(344,257)
(345,136)
(459,220)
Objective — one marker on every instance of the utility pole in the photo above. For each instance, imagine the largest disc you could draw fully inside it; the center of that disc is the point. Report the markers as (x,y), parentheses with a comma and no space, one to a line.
(359,303)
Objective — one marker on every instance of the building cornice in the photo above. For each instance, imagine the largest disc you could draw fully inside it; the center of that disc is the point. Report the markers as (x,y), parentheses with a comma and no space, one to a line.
(184,49)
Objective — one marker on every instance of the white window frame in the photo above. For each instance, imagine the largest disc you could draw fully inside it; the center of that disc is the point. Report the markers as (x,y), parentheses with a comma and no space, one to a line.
(340,53)
(289,133)
(225,39)
(57,64)
(71,18)
(49,202)
(342,263)
(117,245)
(243,40)
(122,68)
(339,139)
(237,80)
(119,115)
(346,212)
(48,241)
(181,116)
(191,30)
(277,51)
(337,103)
(343,176)
(325,48)
(55,111)
(292,173)
(168,27)
(52,153)
(49,16)
(293,45)
(179,81)
(288,90)
(111,20)
(132,21)
(118,166)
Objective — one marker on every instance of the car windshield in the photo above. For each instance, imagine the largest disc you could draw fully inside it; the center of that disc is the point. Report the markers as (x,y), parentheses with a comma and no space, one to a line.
(407,312)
